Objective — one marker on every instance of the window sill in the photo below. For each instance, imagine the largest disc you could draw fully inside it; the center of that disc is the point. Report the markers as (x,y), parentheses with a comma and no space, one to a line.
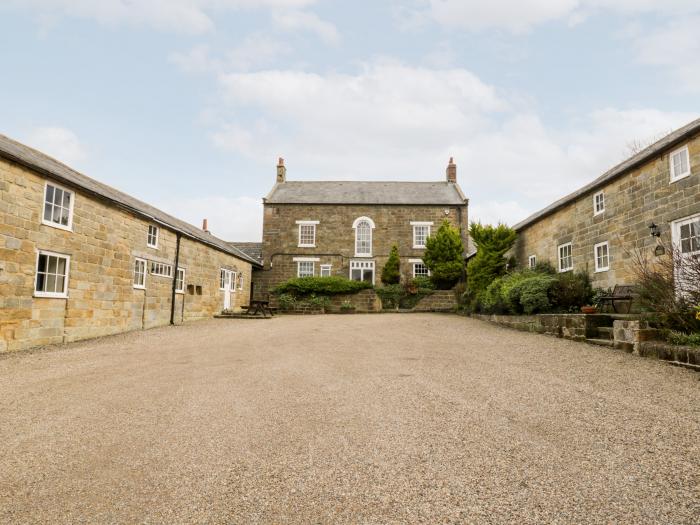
(596,213)
(602,270)
(364,255)
(306,246)
(680,177)
(43,295)
(567,270)
(180,292)
(151,246)
(68,228)
(139,287)
(416,247)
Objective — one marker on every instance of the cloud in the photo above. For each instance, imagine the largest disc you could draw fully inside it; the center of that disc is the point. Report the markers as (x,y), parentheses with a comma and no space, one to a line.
(303,20)
(187,16)
(391,121)
(60,143)
(230,218)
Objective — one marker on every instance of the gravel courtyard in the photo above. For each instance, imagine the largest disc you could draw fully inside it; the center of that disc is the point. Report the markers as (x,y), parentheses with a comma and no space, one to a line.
(346,419)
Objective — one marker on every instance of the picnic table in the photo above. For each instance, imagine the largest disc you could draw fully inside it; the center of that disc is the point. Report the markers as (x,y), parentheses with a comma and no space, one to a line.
(260,307)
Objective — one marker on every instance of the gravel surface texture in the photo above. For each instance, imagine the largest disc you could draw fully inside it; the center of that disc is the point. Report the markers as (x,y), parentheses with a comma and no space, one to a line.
(417,418)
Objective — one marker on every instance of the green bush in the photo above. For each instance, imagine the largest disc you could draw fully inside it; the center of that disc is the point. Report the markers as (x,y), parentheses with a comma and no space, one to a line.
(571,290)
(423,283)
(444,256)
(398,296)
(519,292)
(534,293)
(305,286)
(390,295)
(489,263)
(391,273)
(680,338)
(286,302)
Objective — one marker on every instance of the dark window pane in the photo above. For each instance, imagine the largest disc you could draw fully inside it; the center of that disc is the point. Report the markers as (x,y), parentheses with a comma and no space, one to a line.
(50,283)
(40,282)
(42,263)
(61,267)
(58,197)
(49,193)
(47,211)
(356,275)
(60,283)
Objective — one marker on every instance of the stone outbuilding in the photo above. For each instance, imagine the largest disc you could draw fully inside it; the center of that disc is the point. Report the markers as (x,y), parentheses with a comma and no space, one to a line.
(347,228)
(649,201)
(79,259)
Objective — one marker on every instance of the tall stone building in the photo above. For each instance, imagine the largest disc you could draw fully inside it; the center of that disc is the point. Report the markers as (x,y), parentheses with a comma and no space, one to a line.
(347,228)
(79,259)
(650,199)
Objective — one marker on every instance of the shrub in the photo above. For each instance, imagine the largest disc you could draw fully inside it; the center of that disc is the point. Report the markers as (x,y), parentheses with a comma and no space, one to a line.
(390,295)
(286,302)
(489,263)
(444,256)
(679,338)
(571,290)
(390,272)
(534,293)
(423,283)
(305,286)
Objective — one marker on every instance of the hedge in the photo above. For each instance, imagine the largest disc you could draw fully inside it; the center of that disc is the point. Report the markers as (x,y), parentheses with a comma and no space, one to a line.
(305,286)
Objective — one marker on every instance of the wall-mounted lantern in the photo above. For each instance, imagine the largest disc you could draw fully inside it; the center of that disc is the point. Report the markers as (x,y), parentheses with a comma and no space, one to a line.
(654,230)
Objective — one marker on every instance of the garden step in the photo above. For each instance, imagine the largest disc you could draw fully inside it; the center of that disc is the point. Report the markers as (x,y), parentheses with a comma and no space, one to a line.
(601,342)
(605,332)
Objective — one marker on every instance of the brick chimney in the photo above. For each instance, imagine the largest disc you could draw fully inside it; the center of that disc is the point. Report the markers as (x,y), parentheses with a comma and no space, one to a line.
(205,225)
(281,171)
(452,171)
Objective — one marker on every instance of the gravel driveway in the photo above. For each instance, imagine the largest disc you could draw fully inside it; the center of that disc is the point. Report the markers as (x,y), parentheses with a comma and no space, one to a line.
(356,418)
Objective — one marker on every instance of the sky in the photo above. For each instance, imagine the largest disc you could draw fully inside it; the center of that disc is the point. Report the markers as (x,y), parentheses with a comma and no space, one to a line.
(187,104)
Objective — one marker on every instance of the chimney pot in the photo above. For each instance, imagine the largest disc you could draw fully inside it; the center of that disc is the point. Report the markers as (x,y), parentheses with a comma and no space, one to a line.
(205,225)
(451,171)
(281,170)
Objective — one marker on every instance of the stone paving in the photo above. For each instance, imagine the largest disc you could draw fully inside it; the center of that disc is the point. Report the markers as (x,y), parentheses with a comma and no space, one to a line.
(384,418)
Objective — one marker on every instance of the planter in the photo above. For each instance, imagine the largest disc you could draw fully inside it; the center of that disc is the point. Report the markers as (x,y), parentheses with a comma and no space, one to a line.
(589,310)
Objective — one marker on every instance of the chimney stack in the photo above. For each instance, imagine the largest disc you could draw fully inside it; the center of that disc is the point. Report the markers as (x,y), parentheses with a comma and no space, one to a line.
(452,171)
(205,225)
(281,171)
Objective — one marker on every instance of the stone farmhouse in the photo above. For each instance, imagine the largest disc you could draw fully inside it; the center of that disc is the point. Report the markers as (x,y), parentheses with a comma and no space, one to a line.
(321,228)
(79,259)
(653,198)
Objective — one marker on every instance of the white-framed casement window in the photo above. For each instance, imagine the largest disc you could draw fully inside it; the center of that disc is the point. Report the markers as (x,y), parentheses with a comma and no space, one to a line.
(232,281)
(686,235)
(679,163)
(419,269)
(161,269)
(240,281)
(532,261)
(180,280)
(566,259)
(362,271)
(222,278)
(52,271)
(363,227)
(152,239)
(598,203)
(305,268)
(421,232)
(601,252)
(140,273)
(307,234)
(58,207)
(326,270)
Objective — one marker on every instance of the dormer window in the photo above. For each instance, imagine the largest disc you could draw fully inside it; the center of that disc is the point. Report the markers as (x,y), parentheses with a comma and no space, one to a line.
(598,203)
(363,227)
(680,164)
(307,234)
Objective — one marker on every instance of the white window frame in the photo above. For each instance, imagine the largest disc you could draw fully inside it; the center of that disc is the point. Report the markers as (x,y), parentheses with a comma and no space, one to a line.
(355,224)
(232,281)
(559,257)
(307,223)
(69,226)
(326,268)
(306,265)
(595,256)
(54,295)
(597,211)
(532,261)
(222,278)
(145,273)
(676,234)
(160,269)
(148,236)
(240,280)
(413,263)
(416,225)
(364,265)
(181,281)
(675,177)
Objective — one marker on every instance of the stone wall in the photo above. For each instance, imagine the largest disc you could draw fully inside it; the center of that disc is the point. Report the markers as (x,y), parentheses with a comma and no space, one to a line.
(335,237)
(569,326)
(632,202)
(438,301)
(102,245)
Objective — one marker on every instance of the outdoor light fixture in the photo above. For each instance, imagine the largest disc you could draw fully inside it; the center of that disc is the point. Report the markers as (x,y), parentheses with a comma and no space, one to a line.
(654,230)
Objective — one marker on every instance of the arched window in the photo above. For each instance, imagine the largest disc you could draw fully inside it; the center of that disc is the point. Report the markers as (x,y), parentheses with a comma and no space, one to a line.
(363,236)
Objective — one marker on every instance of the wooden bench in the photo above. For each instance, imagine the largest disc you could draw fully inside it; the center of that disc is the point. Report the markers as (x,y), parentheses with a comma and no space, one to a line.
(621,292)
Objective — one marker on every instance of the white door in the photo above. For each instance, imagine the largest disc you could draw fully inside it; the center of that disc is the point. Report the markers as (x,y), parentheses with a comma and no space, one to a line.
(227,290)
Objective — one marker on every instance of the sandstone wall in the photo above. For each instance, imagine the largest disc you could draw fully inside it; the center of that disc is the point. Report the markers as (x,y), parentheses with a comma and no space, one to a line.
(102,246)
(632,202)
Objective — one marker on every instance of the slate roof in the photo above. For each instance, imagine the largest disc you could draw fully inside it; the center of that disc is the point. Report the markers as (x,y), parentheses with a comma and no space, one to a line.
(366,192)
(53,169)
(669,141)
(252,249)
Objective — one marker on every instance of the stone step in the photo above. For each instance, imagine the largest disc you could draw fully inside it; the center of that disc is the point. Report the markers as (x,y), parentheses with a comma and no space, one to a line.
(605,332)
(601,342)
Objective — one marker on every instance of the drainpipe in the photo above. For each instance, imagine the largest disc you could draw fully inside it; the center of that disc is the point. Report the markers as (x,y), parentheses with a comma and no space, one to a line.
(177,261)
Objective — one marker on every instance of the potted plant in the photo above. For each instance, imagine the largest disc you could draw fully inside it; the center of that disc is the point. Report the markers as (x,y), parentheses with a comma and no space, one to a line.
(347,308)
(589,309)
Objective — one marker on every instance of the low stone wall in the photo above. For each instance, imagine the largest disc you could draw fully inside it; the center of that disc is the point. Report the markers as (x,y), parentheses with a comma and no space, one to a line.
(630,334)
(364,302)
(569,326)
(438,301)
